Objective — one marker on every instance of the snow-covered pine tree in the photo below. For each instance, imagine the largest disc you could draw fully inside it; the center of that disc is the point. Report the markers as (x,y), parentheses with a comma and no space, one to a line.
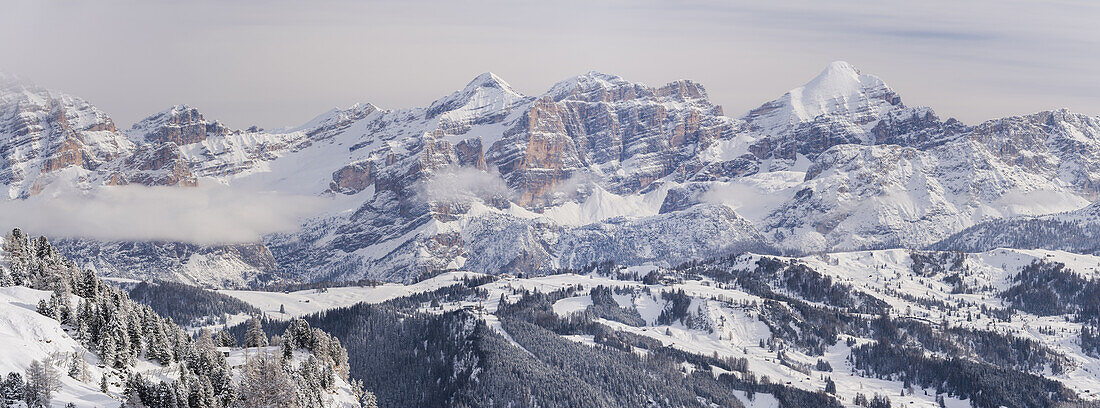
(225,339)
(255,336)
(12,388)
(264,383)
(42,382)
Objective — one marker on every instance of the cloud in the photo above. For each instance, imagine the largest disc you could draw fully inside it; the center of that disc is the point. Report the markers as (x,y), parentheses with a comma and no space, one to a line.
(208,214)
(463,184)
(579,184)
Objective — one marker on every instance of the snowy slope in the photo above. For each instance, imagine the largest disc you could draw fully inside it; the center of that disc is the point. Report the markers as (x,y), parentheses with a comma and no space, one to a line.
(885,275)
(839,163)
(840,90)
(311,301)
(27,336)
(734,323)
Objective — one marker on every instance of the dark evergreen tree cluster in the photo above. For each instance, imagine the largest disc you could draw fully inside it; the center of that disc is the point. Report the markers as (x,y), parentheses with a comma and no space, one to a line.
(605,306)
(985,385)
(408,358)
(412,358)
(1049,288)
(1025,233)
(930,263)
(188,305)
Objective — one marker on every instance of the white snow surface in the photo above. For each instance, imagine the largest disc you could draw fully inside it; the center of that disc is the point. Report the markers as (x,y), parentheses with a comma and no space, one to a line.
(882,274)
(27,336)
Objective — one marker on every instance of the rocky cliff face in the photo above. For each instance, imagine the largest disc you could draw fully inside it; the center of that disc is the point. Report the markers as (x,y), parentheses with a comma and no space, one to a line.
(45,132)
(181,125)
(629,134)
(595,168)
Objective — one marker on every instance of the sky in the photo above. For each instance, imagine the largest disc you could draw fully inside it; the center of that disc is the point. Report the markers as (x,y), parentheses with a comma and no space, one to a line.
(280,63)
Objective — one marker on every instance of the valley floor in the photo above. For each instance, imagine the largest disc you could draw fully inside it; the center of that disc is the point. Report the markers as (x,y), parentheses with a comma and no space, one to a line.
(728,321)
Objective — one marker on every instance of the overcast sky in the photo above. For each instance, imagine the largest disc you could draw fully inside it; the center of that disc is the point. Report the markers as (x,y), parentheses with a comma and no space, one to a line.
(280,63)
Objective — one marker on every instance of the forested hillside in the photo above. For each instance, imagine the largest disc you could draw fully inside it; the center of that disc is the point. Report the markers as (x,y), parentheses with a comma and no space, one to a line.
(1010,328)
(130,353)
(188,305)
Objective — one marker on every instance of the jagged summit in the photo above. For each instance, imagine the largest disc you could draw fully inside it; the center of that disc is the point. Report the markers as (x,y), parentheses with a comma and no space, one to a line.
(490,80)
(833,89)
(181,124)
(839,90)
(585,83)
(484,93)
(595,86)
(335,118)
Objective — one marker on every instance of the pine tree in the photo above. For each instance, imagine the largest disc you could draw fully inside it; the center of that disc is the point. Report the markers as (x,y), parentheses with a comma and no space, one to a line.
(310,384)
(300,334)
(78,368)
(103,386)
(42,382)
(880,401)
(135,387)
(225,339)
(45,308)
(158,348)
(124,355)
(106,348)
(861,400)
(368,400)
(255,336)
(265,384)
(205,391)
(286,349)
(5,278)
(12,388)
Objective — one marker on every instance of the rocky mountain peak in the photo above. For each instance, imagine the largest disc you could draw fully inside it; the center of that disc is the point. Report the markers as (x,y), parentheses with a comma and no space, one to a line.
(594,86)
(46,131)
(840,106)
(179,124)
(484,94)
(489,80)
(14,89)
(839,90)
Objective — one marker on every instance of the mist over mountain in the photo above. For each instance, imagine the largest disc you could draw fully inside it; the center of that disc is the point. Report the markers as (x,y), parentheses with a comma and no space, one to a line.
(494,181)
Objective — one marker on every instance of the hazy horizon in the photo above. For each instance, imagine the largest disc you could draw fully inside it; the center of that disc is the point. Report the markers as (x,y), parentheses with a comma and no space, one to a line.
(280,64)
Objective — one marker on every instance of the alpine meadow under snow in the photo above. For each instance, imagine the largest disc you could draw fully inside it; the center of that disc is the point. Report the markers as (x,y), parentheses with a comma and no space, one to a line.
(603,244)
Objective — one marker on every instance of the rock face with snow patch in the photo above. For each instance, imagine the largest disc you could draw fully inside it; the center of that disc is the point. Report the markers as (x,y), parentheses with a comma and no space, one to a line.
(842,106)
(46,132)
(596,168)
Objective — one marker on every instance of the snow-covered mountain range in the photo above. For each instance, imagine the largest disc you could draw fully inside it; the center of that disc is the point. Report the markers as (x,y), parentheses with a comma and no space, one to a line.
(596,168)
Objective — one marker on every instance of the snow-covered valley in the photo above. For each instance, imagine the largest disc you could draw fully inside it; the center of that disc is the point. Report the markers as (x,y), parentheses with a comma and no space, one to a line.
(726,319)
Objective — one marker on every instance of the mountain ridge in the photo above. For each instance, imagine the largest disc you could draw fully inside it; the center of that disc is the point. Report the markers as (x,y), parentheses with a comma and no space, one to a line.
(839,163)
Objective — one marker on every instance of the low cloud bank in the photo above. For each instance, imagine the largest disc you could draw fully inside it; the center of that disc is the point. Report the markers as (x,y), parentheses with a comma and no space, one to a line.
(208,214)
(464,184)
